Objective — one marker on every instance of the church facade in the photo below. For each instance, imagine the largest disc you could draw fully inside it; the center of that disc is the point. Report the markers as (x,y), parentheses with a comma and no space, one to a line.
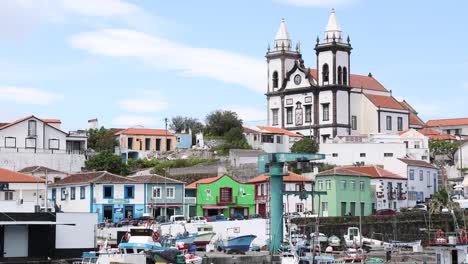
(329,101)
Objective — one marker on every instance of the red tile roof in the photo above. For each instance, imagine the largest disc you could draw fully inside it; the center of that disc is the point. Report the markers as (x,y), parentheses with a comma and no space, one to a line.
(418,163)
(376,172)
(342,171)
(428,131)
(8,176)
(442,137)
(277,130)
(448,122)
(413,118)
(292,177)
(56,121)
(360,81)
(250,131)
(193,185)
(94,177)
(28,117)
(144,132)
(384,101)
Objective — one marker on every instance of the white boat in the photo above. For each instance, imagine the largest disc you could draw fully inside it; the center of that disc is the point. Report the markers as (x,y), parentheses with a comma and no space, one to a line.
(334,241)
(353,239)
(289,258)
(204,235)
(411,244)
(320,238)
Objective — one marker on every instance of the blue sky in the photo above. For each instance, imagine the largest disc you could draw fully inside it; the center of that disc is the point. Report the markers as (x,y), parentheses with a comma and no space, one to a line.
(135,62)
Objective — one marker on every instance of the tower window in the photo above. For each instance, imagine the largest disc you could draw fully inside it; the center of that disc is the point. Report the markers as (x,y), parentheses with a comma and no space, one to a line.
(326,112)
(275,117)
(389,123)
(275,79)
(299,115)
(345,76)
(32,128)
(308,113)
(289,115)
(325,73)
(340,75)
(400,123)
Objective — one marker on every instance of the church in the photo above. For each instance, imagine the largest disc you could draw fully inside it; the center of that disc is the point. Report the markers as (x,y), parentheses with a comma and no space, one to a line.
(329,101)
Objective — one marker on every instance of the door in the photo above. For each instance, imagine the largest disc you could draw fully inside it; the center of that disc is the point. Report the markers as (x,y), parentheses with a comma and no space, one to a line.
(15,241)
(262,210)
(343,208)
(108,214)
(363,205)
(128,213)
(170,212)
(353,208)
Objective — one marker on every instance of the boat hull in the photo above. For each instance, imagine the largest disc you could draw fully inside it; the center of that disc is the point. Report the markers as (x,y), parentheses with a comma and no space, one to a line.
(204,239)
(241,243)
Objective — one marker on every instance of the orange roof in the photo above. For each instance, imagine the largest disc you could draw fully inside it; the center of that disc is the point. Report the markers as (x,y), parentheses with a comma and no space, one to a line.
(8,176)
(193,185)
(360,81)
(384,101)
(428,131)
(292,177)
(448,122)
(249,130)
(28,117)
(376,172)
(277,130)
(415,120)
(442,137)
(56,121)
(342,171)
(144,132)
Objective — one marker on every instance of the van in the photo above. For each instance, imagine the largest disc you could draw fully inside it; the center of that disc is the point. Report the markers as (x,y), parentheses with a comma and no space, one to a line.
(178,219)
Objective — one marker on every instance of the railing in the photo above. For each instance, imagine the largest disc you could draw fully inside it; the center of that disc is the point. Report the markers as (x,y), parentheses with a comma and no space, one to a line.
(233,200)
(41,150)
(190,200)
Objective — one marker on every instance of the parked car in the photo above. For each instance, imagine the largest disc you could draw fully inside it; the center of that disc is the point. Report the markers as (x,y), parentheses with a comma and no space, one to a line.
(382,212)
(292,215)
(124,222)
(421,207)
(178,219)
(237,217)
(256,216)
(310,214)
(161,219)
(216,218)
(198,219)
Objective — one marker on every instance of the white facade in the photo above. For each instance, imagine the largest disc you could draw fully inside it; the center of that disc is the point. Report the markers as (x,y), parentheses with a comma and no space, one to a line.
(22,197)
(387,198)
(270,139)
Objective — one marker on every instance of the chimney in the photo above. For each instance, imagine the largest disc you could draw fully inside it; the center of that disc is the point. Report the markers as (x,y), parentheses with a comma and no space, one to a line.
(93,123)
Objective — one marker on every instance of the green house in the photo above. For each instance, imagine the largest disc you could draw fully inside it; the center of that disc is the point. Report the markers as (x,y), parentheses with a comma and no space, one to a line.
(348,193)
(223,195)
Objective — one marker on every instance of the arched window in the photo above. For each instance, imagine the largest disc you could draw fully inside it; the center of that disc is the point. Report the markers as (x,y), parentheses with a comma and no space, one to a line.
(340,75)
(325,73)
(299,115)
(345,76)
(275,79)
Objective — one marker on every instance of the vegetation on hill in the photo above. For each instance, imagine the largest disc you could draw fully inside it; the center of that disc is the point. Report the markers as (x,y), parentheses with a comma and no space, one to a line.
(106,160)
(101,139)
(305,145)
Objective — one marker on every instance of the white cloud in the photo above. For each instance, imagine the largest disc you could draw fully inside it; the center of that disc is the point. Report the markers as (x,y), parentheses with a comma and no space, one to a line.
(27,95)
(145,102)
(189,61)
(134,120)
(317,3)
(249,113)
(101,8)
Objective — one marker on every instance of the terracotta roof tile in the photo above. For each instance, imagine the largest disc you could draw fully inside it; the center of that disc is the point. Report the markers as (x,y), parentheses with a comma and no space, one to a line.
(359,81)
(153,178)
(193,185)
(277,130)
(250,131)
(442,137)
(428,131)
(384,101)
(418,163)
(342,171)
(37,169)
(94,177)
(448,122)
(376,172)
(56,121)
(413,117)
(8,176)
(144,132)
(292,177)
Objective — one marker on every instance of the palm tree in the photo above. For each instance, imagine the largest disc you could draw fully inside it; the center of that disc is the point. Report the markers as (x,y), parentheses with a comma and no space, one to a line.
(441,200)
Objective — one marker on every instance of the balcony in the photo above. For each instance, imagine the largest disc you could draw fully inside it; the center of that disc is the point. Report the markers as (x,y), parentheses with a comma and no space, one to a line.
(402,196)
(231,200)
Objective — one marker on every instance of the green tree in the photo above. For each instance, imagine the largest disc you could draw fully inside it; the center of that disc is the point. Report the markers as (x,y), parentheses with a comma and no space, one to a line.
(180,123)
(443,148)
(305,145)
(106,160)
(101,139)
(441,200)
(219,122)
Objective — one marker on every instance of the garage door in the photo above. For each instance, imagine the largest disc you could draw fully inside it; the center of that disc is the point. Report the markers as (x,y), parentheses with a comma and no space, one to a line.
(16,241)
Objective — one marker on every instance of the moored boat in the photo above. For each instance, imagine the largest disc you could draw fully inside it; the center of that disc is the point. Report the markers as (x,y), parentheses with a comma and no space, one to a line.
(236,244)
(204,236)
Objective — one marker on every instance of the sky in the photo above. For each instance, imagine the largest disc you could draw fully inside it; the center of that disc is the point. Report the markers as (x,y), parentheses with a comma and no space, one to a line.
(131,63)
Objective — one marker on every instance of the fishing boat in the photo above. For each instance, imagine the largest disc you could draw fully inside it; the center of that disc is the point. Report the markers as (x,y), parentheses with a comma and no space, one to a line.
(320,237)
(353,255)
(239,244)
(353,239)
(450,248)
(334,241)
(204,235)
(401,244)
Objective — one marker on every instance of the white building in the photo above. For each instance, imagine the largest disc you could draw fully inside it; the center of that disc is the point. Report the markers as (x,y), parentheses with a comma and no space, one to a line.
(44,173)
(33,141)
(417,144)
(270,139)
(454,126)
(291,203)
(329,100)
(20,192)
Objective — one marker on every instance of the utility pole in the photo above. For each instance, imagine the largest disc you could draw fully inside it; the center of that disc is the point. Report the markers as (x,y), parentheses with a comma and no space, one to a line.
(165,178)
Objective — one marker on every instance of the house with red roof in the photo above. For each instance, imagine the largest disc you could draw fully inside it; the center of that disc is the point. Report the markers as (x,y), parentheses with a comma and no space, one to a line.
(135,143)
(291,203)
(452,126)
(33,141)
(330,99)
(271,139)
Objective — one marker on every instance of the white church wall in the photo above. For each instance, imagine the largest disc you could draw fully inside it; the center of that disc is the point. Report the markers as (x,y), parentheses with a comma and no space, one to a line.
(342,107)
(367,118)
(326,57)
(326,97)
(274,65)
(394,116)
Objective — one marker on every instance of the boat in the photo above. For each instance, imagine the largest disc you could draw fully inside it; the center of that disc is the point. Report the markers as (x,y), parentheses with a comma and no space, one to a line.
(320,238)
(354,239)
(334,241)
(240,244)
(353,255)
(204,235)
(289,258)
(401,244)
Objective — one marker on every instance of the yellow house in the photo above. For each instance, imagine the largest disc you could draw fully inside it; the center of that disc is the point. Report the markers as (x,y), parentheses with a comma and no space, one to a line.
(142,142)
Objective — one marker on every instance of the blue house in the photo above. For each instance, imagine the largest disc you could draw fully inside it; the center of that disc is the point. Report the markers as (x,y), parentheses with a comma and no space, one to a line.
(183,140)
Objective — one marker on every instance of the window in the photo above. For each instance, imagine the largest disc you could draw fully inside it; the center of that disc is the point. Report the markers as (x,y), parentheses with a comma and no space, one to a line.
(108,192)
(352,185)
(32,128)
(362,155)
(72,193)
(156,192)
(400,123)
(308,113)
(54,194)
(10,142)
(130,143)
(267,139)
(324,206)
(411,175)
(340,75)
(278,139)
(82,192)
(343,184)
(354,122)
(345,76)
(325,73)
(275,117)
(168,144)
(328,184)
(275,79)
(361,185)
(298,187)
(63,193)
(148,143)
(334,155)
(8,196)
(54,143)
(388,155)
(178,139)
(226,194)
(389,123)
(170,192)
(289,117)
(416,145)
(320,185)
(262,189)
(158,144)
(428,178)
(457,132)
(129,191)
(326,112)
(299,207)
(299,115)
(421,175)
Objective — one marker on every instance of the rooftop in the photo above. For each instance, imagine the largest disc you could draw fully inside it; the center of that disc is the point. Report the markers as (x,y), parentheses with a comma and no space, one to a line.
(144,132)
(384,101)
(39,169)
(193,185)
(418,163)
(376,172)
(342,171)
(292,177)
(154,178)
(448,122)
(277,130)
(8,176)
(94,177)
(359,81)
